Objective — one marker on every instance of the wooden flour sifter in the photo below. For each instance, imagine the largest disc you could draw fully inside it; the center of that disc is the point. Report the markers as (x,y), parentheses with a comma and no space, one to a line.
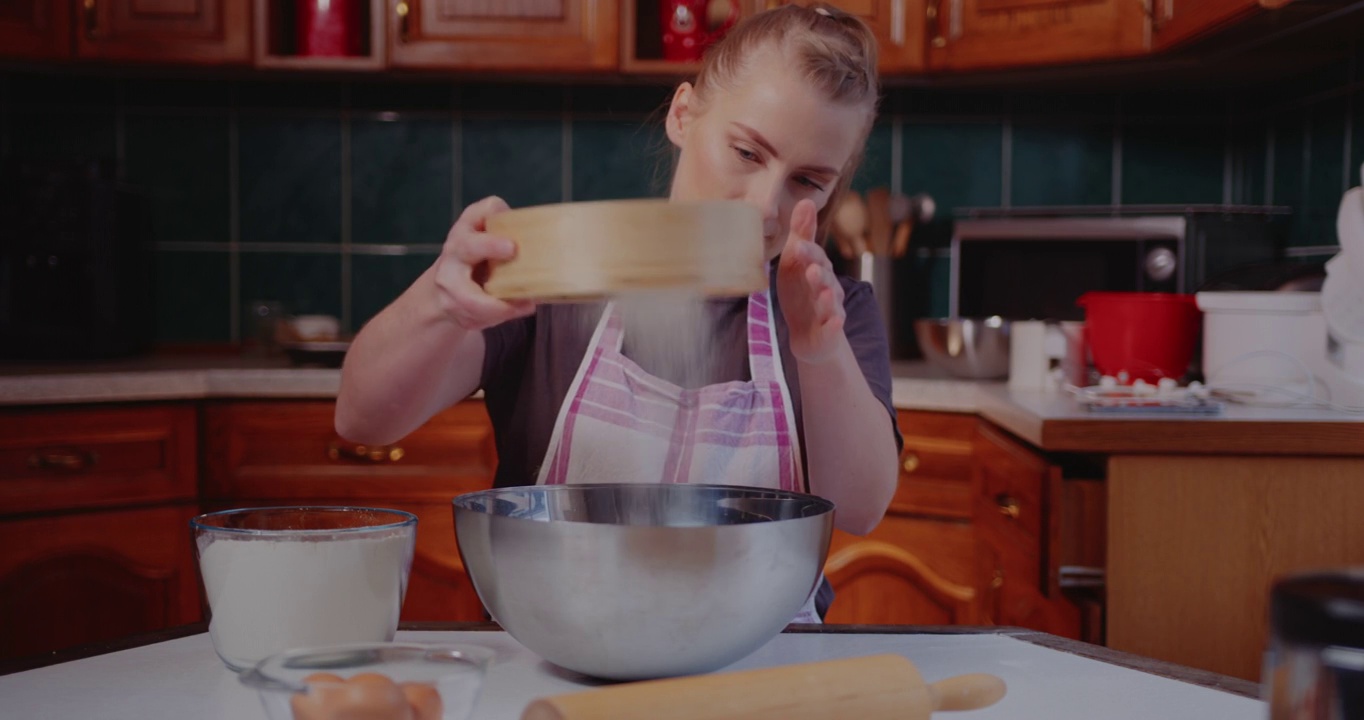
(590,250)
(876,687)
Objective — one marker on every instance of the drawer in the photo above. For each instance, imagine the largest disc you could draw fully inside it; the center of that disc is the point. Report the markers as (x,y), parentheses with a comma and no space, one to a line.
(935,465)
(290,451)
(76,458)
(1009,481)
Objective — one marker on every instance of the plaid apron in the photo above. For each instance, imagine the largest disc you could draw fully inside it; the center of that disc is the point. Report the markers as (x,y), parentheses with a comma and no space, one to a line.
(620,423)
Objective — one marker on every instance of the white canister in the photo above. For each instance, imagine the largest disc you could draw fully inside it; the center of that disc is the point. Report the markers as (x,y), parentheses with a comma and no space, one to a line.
(1260,341)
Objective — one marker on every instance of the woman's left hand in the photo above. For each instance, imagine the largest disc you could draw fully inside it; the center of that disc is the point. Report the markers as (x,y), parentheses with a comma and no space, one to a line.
(810,295)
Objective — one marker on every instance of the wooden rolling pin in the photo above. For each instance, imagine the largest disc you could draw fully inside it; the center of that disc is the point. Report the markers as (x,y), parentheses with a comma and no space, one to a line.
(877,687)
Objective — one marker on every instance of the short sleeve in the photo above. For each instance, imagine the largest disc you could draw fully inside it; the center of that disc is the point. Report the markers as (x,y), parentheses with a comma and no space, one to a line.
(866,333)
(505,349)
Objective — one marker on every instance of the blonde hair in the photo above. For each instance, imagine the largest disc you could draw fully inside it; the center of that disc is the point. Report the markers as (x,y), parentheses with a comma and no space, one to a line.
(835,51)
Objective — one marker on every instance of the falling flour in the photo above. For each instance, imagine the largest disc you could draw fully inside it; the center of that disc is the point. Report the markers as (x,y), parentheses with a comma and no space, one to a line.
(669,333)
(266,596)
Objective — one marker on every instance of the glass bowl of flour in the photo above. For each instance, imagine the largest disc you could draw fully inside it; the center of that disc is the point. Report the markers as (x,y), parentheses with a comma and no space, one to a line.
(279,578)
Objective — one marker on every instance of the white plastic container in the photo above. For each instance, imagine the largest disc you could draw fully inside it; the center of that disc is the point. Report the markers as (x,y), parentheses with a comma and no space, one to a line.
(1259,341)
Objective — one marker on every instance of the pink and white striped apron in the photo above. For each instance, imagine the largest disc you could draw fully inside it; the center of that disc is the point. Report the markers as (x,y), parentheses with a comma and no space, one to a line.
(620,423)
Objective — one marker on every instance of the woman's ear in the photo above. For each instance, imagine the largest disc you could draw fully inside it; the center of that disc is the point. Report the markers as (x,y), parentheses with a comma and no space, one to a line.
(680,114)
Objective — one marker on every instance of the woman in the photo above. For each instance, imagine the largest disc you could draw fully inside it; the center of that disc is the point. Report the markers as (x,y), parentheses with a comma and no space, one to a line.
(777,117)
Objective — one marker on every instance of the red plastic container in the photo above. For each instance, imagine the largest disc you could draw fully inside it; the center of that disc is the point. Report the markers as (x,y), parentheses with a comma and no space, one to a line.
(329,28)
(1147,335)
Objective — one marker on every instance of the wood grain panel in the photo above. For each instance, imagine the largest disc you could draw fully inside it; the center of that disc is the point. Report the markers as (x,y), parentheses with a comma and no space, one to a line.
(97,457)
(879,587)
(190,8)
(581,35)
(503,8)
(88,577)
(978,34)
(212,32)
(282,450)
(1203,437)
(1180,20)
(35,29)
(1195,543)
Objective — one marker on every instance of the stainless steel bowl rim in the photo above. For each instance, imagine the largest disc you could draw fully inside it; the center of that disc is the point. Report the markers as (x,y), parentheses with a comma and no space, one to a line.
(463,502)
(408,519)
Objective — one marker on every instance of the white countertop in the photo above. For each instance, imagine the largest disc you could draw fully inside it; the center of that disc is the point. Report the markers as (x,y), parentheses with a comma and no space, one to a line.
(915,386)
(183,678)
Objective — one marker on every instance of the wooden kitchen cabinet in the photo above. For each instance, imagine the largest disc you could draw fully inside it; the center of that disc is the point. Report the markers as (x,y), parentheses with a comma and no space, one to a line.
(1031,522)
(900,27)
(287,452)
(526,35)
(1175,21)
(78,578)
(984,34)
(207,32)
(35,29)
(918,565)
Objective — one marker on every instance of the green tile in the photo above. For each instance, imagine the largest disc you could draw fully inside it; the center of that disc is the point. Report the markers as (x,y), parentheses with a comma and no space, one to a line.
(62,133)
(305,283)
(1291,176)
(1250,155)
(619,160)
(1062,164)
(1327,163)
(1164,163)
(181,162)
(519,160)
(959,164)
(401,182)
(377,280)
(876,159)
(192,297)
(290,179)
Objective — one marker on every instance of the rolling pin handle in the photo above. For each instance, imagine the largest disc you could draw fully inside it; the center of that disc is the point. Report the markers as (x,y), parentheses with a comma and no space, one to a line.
(966,692)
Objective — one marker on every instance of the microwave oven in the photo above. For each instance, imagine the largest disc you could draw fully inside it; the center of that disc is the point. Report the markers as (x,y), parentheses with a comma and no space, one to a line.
(1034,265)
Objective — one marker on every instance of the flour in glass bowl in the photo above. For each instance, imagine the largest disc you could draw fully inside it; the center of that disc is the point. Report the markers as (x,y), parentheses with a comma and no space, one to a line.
(270,595)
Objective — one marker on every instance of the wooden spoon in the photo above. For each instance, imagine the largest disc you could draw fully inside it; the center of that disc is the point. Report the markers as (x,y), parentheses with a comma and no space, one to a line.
(878,219)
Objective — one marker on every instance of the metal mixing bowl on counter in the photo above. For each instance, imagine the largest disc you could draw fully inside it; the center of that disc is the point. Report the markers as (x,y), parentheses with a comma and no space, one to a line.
(966,347)
(633,581)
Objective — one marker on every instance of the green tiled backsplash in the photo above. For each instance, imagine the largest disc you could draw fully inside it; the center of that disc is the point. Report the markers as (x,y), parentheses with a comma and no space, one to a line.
(332,196)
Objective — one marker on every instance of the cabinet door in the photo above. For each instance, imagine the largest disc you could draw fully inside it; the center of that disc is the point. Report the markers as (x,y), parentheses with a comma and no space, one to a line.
(898,24)
(935,465)
(521,35)
(89,577)
(907,571)
(35,29)
(172,31)
(975,34)
(1180,20)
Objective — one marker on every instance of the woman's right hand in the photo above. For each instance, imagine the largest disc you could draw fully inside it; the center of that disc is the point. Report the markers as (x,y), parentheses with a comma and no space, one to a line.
(463,267)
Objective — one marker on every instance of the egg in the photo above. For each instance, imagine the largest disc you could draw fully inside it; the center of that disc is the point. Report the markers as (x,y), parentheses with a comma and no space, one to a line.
(367,696)
(425,701)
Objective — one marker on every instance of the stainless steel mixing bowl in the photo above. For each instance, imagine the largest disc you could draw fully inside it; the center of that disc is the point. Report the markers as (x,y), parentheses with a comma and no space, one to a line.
(966,347)
(640,581)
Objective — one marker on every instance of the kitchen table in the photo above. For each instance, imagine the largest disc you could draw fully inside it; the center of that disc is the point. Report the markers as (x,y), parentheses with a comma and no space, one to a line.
(175,674)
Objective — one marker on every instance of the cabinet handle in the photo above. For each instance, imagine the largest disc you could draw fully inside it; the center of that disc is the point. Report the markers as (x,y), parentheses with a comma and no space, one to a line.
(935,36)
(1007,505)
(911,462)
(338,450)
(997,581)
(403,11)
(91,19)
(68,460)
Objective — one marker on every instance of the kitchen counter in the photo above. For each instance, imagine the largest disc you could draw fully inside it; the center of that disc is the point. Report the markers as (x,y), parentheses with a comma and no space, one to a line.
(1048,420)
(1048,678)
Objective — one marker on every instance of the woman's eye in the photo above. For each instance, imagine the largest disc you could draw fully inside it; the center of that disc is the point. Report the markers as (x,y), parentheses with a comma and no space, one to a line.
(807,182)
(745,154)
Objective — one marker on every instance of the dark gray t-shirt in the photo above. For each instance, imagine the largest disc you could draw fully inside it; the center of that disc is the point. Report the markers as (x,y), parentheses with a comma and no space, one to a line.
(531,362)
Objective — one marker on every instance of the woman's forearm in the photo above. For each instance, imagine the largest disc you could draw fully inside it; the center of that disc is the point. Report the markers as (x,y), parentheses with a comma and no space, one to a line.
(849,441)
(407,364)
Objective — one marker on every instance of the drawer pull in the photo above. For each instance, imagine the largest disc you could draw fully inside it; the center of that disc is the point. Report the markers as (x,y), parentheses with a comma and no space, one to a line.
(1007,505)
(911,462)
(69,460)
(338,450)
(997,581)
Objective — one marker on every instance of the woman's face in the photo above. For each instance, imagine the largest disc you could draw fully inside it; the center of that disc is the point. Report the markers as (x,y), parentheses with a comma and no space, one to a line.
(769,140)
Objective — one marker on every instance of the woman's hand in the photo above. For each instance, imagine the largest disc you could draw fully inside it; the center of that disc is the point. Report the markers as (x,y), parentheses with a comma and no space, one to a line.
(463,266)
(811,298)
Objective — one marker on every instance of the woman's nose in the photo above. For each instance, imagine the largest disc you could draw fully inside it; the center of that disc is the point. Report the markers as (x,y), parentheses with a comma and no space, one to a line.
(766,196)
